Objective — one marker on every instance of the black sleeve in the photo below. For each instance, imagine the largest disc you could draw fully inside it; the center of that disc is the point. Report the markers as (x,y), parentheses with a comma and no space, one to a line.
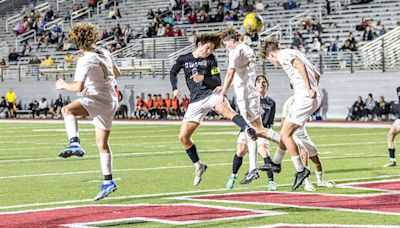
(214,79)
(272,115)
(173,74)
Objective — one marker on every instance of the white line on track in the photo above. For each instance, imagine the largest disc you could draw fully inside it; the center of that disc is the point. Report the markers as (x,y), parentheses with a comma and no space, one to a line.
(174,193)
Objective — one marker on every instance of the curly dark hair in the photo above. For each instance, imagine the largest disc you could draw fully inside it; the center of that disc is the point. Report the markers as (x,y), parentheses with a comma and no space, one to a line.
(83,35)
(261,76)
(230,33)
(208,37)
(267,46)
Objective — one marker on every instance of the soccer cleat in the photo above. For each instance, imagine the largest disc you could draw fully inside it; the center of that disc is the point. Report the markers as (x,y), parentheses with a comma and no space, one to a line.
(390,164)
(276,168)
(72,151)
(250,176)
(271,186)
(252,133)
(309,187)
(231,182)
(198,173)
(327,184)
(300,177)
(106,189)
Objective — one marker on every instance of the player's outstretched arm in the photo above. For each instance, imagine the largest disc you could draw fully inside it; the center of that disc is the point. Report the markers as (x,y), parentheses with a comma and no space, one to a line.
(76,86)
(173,76)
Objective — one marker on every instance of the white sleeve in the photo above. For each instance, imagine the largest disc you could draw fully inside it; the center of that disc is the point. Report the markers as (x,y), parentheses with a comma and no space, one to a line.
(82,68)
(231,63)
(286,57)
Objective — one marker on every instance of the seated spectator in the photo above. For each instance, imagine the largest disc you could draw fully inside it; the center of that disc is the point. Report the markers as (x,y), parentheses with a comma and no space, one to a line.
(169,31)
(68,59)
(58,106)
(315,46)
(192,17)
(43,107)
(206,6)
(260,6)
(219,16)
(161,30)
(140,108)
(49,15)
(382,109)
(34,60)
(297,41)
(184,104)
(332,46)
(383,30)
(169,20)
(347,46)
(173,4)
(111,13)
(369,107)
(369,34)
(4,108)
(92,4)
(356,111)
(47,62)
(247,7)
(26,50)
(13,56)
(178,32)
(3,63)
(117,11)
(203,17)
(150,14)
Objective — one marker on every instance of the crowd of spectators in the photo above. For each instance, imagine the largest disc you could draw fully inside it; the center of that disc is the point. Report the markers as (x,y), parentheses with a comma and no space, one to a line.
(370,109)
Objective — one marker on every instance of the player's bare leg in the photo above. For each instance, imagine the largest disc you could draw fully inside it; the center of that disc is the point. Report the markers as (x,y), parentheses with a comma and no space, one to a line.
(319,173)
(185,137)
(70,112)
(391,146)
(287,131)
(105,163)
(241,150)
(308,186)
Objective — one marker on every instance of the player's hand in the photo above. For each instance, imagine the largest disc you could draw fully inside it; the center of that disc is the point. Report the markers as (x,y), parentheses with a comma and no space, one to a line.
(312,94)
(176,94)
(197,78)
(60,84)
(218,89)
(221,99)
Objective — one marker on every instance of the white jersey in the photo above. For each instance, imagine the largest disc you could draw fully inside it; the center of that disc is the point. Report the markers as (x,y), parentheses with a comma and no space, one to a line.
(287,106)
(95,69)
(285,58)
(243,59)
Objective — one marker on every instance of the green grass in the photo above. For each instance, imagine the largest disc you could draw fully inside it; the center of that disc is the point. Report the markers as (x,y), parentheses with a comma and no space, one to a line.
(148,160)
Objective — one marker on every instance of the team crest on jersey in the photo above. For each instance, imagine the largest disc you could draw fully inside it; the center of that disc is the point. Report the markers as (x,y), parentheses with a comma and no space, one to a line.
(195,64)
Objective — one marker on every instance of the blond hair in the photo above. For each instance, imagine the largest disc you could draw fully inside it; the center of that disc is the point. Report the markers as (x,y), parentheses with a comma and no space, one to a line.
(268,46)
(208,38)
(83,35)
(230,33)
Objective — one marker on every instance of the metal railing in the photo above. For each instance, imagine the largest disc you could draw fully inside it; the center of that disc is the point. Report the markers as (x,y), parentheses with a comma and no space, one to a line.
(173,56)
(53,24)
(275,31)
(3,49)
(20,16)
(25,36)
(79,13)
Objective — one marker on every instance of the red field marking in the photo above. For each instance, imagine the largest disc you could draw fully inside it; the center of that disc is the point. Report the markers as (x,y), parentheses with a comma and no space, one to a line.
(378,185)
(95,214)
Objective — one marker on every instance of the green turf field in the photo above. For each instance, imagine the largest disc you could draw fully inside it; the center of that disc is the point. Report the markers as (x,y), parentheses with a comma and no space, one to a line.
(151,168)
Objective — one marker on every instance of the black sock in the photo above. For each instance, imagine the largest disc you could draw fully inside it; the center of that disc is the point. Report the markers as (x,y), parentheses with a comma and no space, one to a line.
(237,162)
(270,174)
(74,139)
(192,153)
(240,122)
(391,153)
(108,177)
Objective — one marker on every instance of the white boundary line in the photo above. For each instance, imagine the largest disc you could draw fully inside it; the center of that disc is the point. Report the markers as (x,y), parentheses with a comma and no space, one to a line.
(193,198)
(169,194)
(325,225)
(212,123)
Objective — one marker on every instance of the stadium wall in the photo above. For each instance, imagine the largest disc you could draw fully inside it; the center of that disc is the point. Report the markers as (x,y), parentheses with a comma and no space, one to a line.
(342,88)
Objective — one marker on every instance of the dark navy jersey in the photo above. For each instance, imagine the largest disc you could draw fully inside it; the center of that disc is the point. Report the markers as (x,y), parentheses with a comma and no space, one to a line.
(268,105)
(205,66)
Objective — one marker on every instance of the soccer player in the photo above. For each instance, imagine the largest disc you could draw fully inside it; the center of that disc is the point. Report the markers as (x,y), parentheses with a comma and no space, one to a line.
(202,77)
(268,105)
(307,150)
(306,98)
(393,131)
(241,73)
(95,78)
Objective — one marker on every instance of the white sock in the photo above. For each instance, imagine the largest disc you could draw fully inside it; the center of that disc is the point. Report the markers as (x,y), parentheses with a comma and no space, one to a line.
(71,126)
(252,147)
(273,136)
(307,181)
(393,159)
(318,175)
(279,154)
(298,164)
(234,175)
(106,164)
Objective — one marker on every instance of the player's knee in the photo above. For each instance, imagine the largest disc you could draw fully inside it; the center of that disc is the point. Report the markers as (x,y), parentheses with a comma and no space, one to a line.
(183,138)
(101,145)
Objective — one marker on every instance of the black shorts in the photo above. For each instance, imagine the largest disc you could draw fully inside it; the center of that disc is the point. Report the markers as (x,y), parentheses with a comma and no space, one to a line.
(11,106)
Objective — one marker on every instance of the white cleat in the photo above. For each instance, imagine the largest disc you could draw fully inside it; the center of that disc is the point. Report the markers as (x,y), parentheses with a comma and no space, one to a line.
(327,184)
(198,173)
(309,187)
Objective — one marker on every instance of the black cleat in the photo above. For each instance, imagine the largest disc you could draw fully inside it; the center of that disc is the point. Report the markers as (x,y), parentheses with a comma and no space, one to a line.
(276,168)
(72,151)
(250,176)
(252,133)
(300,177)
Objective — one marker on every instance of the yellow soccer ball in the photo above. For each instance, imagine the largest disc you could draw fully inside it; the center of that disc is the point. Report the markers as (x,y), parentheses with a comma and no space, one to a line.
(253,23)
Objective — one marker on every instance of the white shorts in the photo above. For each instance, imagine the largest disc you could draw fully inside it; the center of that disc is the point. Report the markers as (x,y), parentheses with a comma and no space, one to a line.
(196,111)
(302,109)
(250,109)
(101,110)
(302,139)
(396,124)
(242,139)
